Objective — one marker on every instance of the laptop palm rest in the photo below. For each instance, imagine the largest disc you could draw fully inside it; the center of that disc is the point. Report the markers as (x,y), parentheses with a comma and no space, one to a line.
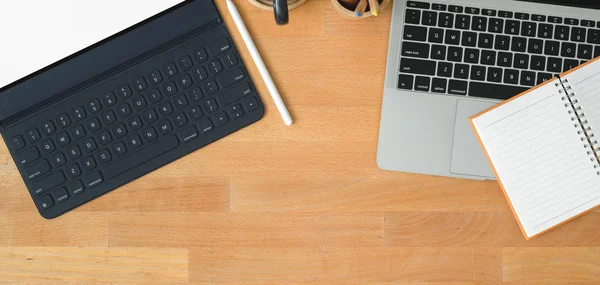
(467,156)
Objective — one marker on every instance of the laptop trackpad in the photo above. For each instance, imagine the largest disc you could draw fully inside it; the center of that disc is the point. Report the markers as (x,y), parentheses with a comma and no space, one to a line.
(467,156)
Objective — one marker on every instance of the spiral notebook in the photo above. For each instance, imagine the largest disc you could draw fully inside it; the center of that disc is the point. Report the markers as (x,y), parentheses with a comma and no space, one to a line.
(543,149)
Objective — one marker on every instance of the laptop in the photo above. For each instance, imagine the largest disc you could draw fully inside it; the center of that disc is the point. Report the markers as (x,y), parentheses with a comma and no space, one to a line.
(449,60)
(95,94)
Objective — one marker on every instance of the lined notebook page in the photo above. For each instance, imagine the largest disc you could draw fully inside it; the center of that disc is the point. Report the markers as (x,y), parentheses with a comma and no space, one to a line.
(539,159)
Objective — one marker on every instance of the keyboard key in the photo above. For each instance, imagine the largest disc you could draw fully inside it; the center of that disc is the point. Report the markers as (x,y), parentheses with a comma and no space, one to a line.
(109,117)
(88,164)
(119,149)
(47,147)
(104,138)
(528,78)
(89,145)
(528,29)
(185,81)
(521,16)
(521,61)
(73,171)
(405,81)
(230,60)
(47,183)
(538,63)
(570,64)
(93,125)
(63,120)
(552,48)
(588,23)
(62,139)
(210,87)
(94,106)
(195,113)
(170,88)
(73,152)
(219,46)
(180,120)
(235,75)
(571,21)
(149,135)
(32,136)
(444,69)
(94,179)
(413,16)
(438,7)
(150,116)
(485,40)
(477,72)
(505,14)
(512,27)
(584,51)
(164,127)
(543,77)
(229,96)
(185,63)
(578,35)
(414,33)
(511,76)
(421,84)
(48,128)
(489,12)
(472,10)
(502,42)
(236,112)
(188,134)
(124,110)
(494,74)
(140,84)
(60,195)
(154,96)
(76,188)
(165,109)
(119,131)
(210,105)
(200,56)
(463,22)
(452,37)
(438,85)
(488,57)
(58,160)
(134,142)
(461,71)
(77,132)
(139,103)
(555,20)
(200,73)
(545,31)
(554,65)
(457,87)
(593,36)
(519,44)
(479,24)
(28,156)
(417,4)
(38,169)
(538,18)
(180,102)
(446,20)
(155,77)
(469,39)
(46,202)
(221,119)
(494,91)
(471,56)
(170,70)
(409,65)
(429,18)
(505,59)
(151,151)
(438,52)
(561,33)
(17,143)
(78,113)
(124,91)
(568,49)
(195,94)
(455,8)
(109,99)
(535,46)
(205,126)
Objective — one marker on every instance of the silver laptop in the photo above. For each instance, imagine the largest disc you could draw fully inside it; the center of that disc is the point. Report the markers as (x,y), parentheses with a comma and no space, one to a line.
(449,60)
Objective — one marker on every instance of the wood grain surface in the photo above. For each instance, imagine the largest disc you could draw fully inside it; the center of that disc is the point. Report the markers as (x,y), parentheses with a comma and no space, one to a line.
(304,204)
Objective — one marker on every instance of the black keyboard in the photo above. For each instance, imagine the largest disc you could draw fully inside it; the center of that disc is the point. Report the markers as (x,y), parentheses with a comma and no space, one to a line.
(474,51)
(137,118)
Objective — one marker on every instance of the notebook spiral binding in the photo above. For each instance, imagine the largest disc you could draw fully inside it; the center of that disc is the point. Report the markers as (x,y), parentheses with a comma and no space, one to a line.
(591,144)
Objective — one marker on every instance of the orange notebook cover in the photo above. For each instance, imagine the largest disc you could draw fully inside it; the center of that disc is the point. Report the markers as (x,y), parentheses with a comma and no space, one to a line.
(543,151)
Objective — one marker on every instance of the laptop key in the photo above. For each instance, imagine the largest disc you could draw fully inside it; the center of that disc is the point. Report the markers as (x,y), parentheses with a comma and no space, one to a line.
(494,74)
(570,64)
(521,61)
(593,36)
(502,42)
(28,156)
(512,27)
(584,51)
(149,152)
(438,85)
(554,65)
(521,16)
(463,22)
(93,179)
(505,14)
(478,72)
(568,49)
(489,12)
(438,52)
(505,59)
(479,24)
(413,16)
(60,195)
(519,44)
(561,33)
(543,77)
(571,21)
(455,54)
(452,37)
(471,56)
(415,66)
(457,87)
(46,202)
(528,78)
(551,48)
(429,18)
(444,69)
(538,18)
(455,8)
(469,39)
(528,29)
(538,63)
(535,46)
(48,182)
(446,20)
(435,35)
(40,168)
(555,20)
(17,143)
(494,91)
(511,76)
(414,33)
(422,83)
(488,57)
(578,35)
(472,10)
(545,31)
(438,7)
(417,4)
(461,71)
(485,40)
(412,49)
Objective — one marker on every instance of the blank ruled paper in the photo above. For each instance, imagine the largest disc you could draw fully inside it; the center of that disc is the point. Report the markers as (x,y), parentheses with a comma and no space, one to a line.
(540,159)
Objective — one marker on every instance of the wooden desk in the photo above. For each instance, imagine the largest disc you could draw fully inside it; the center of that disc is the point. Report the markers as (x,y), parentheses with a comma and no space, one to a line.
(272,204)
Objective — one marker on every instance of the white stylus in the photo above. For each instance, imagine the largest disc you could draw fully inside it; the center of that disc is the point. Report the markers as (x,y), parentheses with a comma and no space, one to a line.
(287,119)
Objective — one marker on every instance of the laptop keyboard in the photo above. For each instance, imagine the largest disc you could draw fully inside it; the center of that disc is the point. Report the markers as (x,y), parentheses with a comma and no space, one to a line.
(133,122)
(472,51)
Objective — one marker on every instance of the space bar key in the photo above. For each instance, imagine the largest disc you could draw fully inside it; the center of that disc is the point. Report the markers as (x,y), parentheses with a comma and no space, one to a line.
(494,91)
(139,157)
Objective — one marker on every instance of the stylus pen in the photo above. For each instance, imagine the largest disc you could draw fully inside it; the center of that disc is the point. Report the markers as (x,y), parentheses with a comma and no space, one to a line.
(287,119)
